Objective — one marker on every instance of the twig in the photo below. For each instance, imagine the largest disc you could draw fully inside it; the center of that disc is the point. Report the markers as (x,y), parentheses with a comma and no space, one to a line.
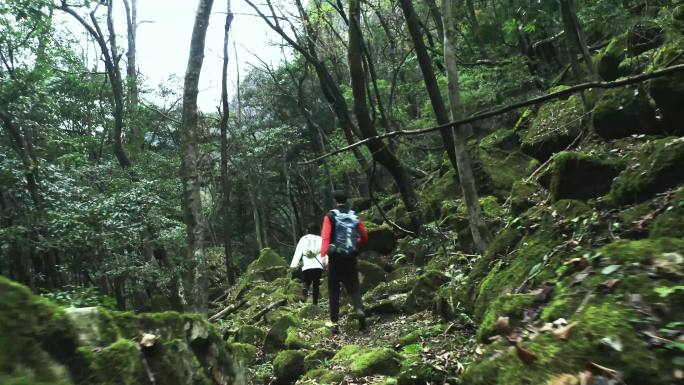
(268,308)
(530,102)
(227,310)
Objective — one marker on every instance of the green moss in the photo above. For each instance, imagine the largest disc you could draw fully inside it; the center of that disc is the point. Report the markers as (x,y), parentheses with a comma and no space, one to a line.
(410,338)
(267,259)
(378,361)
(575,175)
(621,112)
(522,196)
(294,341)
(119,364)
(512,306)
(635,213)
(609,59)
(555,127)
(668,224)
(324,376)
(433,192)
(656,172)
(244,353)
(641,251)
(497,169)
(571,208)
(381,238)
(345,356)
(317,357)
(422,294)
(250,334)
(288,366)
(370,275)
(561,306)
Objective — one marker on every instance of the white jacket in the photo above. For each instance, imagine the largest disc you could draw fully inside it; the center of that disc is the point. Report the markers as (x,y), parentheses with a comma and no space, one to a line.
(308,244)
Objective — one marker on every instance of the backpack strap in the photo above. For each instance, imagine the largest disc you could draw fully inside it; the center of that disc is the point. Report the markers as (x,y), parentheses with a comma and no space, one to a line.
(331,216)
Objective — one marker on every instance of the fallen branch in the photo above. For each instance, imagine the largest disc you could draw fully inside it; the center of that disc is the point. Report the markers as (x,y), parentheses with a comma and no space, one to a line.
(228,310)
(530,102)
(268,308)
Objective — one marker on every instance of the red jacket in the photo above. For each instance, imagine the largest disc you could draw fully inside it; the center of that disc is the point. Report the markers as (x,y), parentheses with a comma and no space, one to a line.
(327,229)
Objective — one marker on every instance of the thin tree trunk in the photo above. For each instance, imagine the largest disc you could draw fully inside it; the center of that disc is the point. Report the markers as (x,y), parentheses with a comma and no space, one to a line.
(465,172)
(131,68)
(475,26)
(378,149)
(575,38)
(196,257)
(436,99)
(225,180)
(436,16)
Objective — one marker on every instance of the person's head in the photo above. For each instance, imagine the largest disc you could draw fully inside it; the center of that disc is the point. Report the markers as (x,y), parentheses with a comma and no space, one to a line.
(340,197)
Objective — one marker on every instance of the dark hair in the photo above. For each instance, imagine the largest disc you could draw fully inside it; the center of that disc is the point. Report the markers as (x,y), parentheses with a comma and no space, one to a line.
(340,196)
(312,228)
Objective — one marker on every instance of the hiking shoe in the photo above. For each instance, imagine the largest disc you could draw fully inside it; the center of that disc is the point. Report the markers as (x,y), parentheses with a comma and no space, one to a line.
(362,319)
(335,329)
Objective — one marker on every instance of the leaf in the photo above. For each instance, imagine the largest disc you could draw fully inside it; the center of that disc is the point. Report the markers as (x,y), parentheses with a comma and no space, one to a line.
(613,342)
(525,355)
(608,285)
(610,269)
(148,340)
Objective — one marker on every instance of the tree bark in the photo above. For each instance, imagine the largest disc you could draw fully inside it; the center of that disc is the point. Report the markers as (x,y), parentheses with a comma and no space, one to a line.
(378,149)
(21,145)
(436,99)
(196,257)
(225,179)
(478,228)
(475,26)
(131,68)
(576,42)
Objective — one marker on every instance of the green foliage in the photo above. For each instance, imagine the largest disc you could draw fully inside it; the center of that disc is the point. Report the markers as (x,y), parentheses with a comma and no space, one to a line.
(75,296)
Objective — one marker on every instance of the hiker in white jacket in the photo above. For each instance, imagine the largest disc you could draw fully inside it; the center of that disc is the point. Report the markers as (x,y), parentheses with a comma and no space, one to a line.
(308,251)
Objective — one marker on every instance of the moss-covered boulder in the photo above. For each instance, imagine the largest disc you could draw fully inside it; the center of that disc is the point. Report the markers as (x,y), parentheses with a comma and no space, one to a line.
(377,361)
(345,356)
(576,175)
(621,112)
(370,275)
(276,336)
(512,306)
(294,341)
(44,344)
(317,358)
(524,195)
(659,169)
(668,92)
(609,59)
(381,238)
(244,353)
(288,366)
(644,36)
(554,128)
(250,334)
(423,292)
(323,376)
(268,266)
(589,341)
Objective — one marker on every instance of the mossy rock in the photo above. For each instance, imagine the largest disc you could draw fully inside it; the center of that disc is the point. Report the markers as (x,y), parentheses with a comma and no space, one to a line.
(609,59)
(250,334)
(377,361)
(309,311)
(571,209)
(576,175)
(370,275)
(668,92)
(268,266)
(656,172)
(345,356)
(420,373)
(668,224)
(385,307)
(554,128)
(317,357)
(119,364)
(323,376)
(642,251)
(288,366)
(636,362)
(294,342)
(523,196)
(276,336)
(444,186)
(621,112)
(422,294)
(381,238)
(244,353)
(512,306)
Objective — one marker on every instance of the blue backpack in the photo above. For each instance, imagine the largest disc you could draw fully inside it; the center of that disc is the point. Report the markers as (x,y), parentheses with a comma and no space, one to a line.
(345,233)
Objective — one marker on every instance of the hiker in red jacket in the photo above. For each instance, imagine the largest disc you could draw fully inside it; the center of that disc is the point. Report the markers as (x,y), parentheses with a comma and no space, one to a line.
(343,234)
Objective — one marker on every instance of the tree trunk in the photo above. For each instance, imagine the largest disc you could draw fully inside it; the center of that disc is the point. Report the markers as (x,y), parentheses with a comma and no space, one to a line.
(378,149)
(436,100)
(575,38)
(436,16)
(465,172)
(197,261)
(225,180)
(475,26)
(131,68)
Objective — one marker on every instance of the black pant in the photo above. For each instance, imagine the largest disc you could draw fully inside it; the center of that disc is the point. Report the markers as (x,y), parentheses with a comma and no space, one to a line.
(343,270)
(312,277)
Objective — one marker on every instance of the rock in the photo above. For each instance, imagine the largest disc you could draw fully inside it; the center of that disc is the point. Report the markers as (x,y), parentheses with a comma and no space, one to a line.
(668,94)
(294,342)
(511,306)
(275,338)
(288,366)
(370,275)
(609,60)
(381,238)
(378,361)
(659,168)
(345,356)
(554,128)
(422,294)
(360,204)
(523,196)
(325,376)
(250,334)
(420,373)
(385,307)
(621,112)
(268,266)
(317,358)
(575,175)
(119,364)
(244,353)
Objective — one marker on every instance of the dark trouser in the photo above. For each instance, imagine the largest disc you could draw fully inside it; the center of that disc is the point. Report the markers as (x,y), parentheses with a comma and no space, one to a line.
(312,277)
(343,270)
